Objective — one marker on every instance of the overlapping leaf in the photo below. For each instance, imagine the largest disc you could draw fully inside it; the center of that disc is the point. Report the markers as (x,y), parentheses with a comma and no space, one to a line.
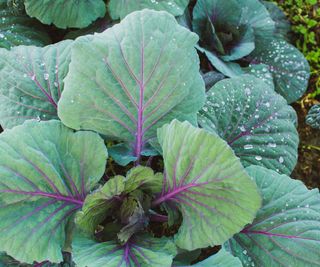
(98,205)
(142,251)
(46,170)
(229,30)
(286,231)
(32,82)
(66,13)
(16,29)
(289,68)
(131,79)
(254,120)
(221,259)
(121,8)
(207,183)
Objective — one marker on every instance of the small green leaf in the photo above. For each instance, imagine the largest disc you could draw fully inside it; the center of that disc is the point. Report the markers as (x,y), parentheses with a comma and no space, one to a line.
(46,170)
(206,182)
(66,14)
(255,121)
(286,231)
(143,178)
(143,251)
(121,8)
(32,82)
(98,205)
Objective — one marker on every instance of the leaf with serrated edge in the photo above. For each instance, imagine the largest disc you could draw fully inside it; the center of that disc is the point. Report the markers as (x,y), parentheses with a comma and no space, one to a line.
(46,170)
(32,82)
(255,121)
(286,231)
(143,251)
(121,8)
(66,14)
(131,79)
(207,183)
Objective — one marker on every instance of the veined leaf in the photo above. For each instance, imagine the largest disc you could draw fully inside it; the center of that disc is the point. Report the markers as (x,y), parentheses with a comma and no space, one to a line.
(66,13)
(207,183)
(121,8)
(255,121)
(143,251)
(286,231)
(18,29)
(46,170)
(289,68)
(143,73)
(32,82)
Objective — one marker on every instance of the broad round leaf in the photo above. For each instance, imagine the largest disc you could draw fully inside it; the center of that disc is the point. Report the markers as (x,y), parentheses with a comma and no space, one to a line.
(18,29)
(133,78)
(289,68)
(207,183)
(46,170)
(32,82)
(286,231)
(255,121)
(143,251)
(66,13)
(121,8)
(221,259)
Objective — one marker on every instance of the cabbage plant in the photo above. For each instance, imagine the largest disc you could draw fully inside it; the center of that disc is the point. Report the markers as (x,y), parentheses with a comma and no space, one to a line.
(115,152)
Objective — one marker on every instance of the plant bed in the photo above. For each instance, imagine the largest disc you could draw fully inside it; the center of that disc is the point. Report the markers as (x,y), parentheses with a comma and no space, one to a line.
(166,138)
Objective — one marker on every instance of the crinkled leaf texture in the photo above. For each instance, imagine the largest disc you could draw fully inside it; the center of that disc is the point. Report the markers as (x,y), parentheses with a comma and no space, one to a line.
(144,251)
(18,29)
(66,13)
(221,259)
(46,170)
(207,183)
(289,68)
(98,205)
(286,231)
(121,8)
(131,79)
(32,82)
(313,117)
(103,202)
(255,121)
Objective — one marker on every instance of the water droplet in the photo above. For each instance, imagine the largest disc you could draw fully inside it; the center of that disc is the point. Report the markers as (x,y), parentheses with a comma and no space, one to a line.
(281,159)
(248,147)
(258,158)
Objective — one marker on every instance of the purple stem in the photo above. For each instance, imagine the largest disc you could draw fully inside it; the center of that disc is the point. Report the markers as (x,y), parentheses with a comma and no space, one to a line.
(139,135)
(158,218)
(172,194)
(245,231)
(44,194)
